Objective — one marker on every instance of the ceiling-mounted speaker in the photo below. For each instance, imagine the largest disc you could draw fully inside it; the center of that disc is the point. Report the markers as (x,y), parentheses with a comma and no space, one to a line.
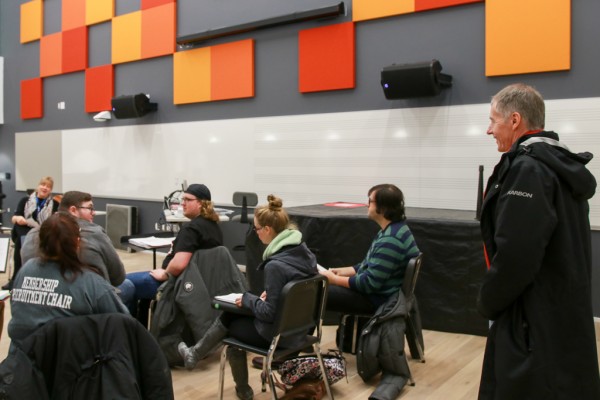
(403,81)
(132,106)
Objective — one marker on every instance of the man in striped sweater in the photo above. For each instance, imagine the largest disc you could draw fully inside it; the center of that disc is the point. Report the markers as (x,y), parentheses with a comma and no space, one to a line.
(362,288)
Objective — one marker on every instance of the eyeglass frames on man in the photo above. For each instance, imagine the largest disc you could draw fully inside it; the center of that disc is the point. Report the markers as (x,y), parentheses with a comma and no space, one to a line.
(90,208)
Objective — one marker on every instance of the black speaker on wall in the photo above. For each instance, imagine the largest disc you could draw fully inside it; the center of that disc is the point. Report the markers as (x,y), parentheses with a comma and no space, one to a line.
(132,106)
(403,81)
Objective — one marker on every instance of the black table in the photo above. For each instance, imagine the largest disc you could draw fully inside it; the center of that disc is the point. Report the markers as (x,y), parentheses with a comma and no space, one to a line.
(453,262)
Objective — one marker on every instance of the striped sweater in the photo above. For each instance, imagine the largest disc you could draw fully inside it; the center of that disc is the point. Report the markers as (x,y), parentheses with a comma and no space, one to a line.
(381,273)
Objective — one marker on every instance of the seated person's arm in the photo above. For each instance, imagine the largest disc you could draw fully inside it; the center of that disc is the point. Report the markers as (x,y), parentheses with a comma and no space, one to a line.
(339,276)
(179,262)
(343,271)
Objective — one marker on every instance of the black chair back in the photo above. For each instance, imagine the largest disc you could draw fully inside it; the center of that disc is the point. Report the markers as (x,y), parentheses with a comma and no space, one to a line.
(301,306)
(410,277)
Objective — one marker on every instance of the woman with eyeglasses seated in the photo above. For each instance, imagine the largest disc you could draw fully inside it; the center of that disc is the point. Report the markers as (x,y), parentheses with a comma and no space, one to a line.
(57,284)
(286,259)
(31,212)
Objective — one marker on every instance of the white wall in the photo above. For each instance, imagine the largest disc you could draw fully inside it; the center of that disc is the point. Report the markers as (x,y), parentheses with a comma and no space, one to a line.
(431,153)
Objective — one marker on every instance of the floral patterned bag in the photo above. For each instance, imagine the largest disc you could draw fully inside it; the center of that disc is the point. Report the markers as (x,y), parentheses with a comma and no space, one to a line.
(307,367)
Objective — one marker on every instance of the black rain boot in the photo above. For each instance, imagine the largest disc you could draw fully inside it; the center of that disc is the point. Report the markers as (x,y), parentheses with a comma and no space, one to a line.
(239,369)
(212,338)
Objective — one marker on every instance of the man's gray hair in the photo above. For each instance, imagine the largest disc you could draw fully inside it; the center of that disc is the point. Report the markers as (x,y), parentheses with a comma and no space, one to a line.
(523,99)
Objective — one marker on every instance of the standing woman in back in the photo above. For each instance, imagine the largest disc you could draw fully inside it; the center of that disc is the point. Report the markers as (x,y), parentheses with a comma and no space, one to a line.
(31,212)
(57,284)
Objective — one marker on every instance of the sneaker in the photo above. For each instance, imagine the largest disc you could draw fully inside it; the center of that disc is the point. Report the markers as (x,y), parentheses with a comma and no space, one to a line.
(187,355)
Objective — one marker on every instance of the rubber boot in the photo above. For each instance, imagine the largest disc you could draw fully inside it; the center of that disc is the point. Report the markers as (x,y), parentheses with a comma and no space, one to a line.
(239,369)
(212,338)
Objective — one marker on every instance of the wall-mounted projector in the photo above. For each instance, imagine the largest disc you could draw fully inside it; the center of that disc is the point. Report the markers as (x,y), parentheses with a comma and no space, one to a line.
(132,106)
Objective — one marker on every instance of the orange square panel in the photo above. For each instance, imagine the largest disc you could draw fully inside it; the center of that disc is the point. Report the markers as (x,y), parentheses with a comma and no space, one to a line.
(75,49)
(32,105)
(127,37)
(99,88)
(371,9)
(232,70)
(32,21)
(73,14)
(158,31)
(527,36)
(146,4)
(327,58)
(191,76)
(422,5)
(51,54)
(97,11)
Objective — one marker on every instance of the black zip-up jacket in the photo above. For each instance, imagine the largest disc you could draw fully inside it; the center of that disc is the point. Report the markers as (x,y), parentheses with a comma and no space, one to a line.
(536,231)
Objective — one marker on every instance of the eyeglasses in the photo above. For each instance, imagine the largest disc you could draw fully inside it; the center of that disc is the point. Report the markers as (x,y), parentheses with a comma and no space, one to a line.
(257,229)
(188,199)
(91,208)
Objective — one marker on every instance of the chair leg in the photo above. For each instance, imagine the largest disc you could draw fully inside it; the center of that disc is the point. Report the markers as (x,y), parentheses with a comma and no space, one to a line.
(267,365)
(222,370)
(412,337)
(342,328)
(263,376)
(317,350)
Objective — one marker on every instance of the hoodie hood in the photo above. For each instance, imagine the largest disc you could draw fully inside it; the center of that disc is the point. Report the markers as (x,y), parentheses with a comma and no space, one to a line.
(570,167)
(298,257)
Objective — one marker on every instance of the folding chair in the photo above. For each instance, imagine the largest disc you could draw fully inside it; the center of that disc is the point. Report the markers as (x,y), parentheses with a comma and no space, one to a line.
(414,336)
(300,310)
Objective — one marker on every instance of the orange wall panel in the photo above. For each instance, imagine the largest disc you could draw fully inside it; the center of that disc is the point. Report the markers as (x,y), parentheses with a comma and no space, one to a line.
(51,54)
(327,58)
(75,49)
(371,9)
(97,11)
(158,31)
(146,4)
(127,37)
(99,88)
(232,70)
(422,5)
(32,21)
(191,76)
(73,14)
(32,105)
(527,36)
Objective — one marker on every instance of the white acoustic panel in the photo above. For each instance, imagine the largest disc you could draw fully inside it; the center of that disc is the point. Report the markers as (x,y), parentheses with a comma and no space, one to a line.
(120,221)
(433,154)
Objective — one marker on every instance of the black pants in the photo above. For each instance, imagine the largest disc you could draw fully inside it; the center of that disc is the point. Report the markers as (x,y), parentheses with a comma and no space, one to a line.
(348,301)
(241,327)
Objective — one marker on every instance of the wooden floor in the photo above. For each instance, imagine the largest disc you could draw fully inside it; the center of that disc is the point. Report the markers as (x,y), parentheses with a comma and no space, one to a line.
(451,372)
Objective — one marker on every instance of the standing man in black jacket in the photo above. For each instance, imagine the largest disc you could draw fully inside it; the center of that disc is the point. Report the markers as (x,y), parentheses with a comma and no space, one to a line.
(536,231)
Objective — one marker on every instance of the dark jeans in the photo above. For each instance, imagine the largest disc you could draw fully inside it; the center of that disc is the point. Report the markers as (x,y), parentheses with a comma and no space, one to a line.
(348,301)
(241,327)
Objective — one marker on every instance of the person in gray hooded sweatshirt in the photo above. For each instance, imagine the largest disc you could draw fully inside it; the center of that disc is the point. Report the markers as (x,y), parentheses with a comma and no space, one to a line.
(286,259)
(96,248)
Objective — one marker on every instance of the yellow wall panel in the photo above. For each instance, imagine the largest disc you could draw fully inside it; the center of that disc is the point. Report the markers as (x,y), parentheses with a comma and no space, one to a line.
(527,36)
(127,37)
(32,21)
(371,9)
(191,76)
(99,11)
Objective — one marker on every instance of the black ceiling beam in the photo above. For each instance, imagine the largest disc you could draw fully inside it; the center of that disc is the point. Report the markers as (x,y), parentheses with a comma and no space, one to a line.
(298,16)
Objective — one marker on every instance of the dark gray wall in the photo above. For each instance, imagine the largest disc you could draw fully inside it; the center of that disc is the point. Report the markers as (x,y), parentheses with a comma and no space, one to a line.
(453,35)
